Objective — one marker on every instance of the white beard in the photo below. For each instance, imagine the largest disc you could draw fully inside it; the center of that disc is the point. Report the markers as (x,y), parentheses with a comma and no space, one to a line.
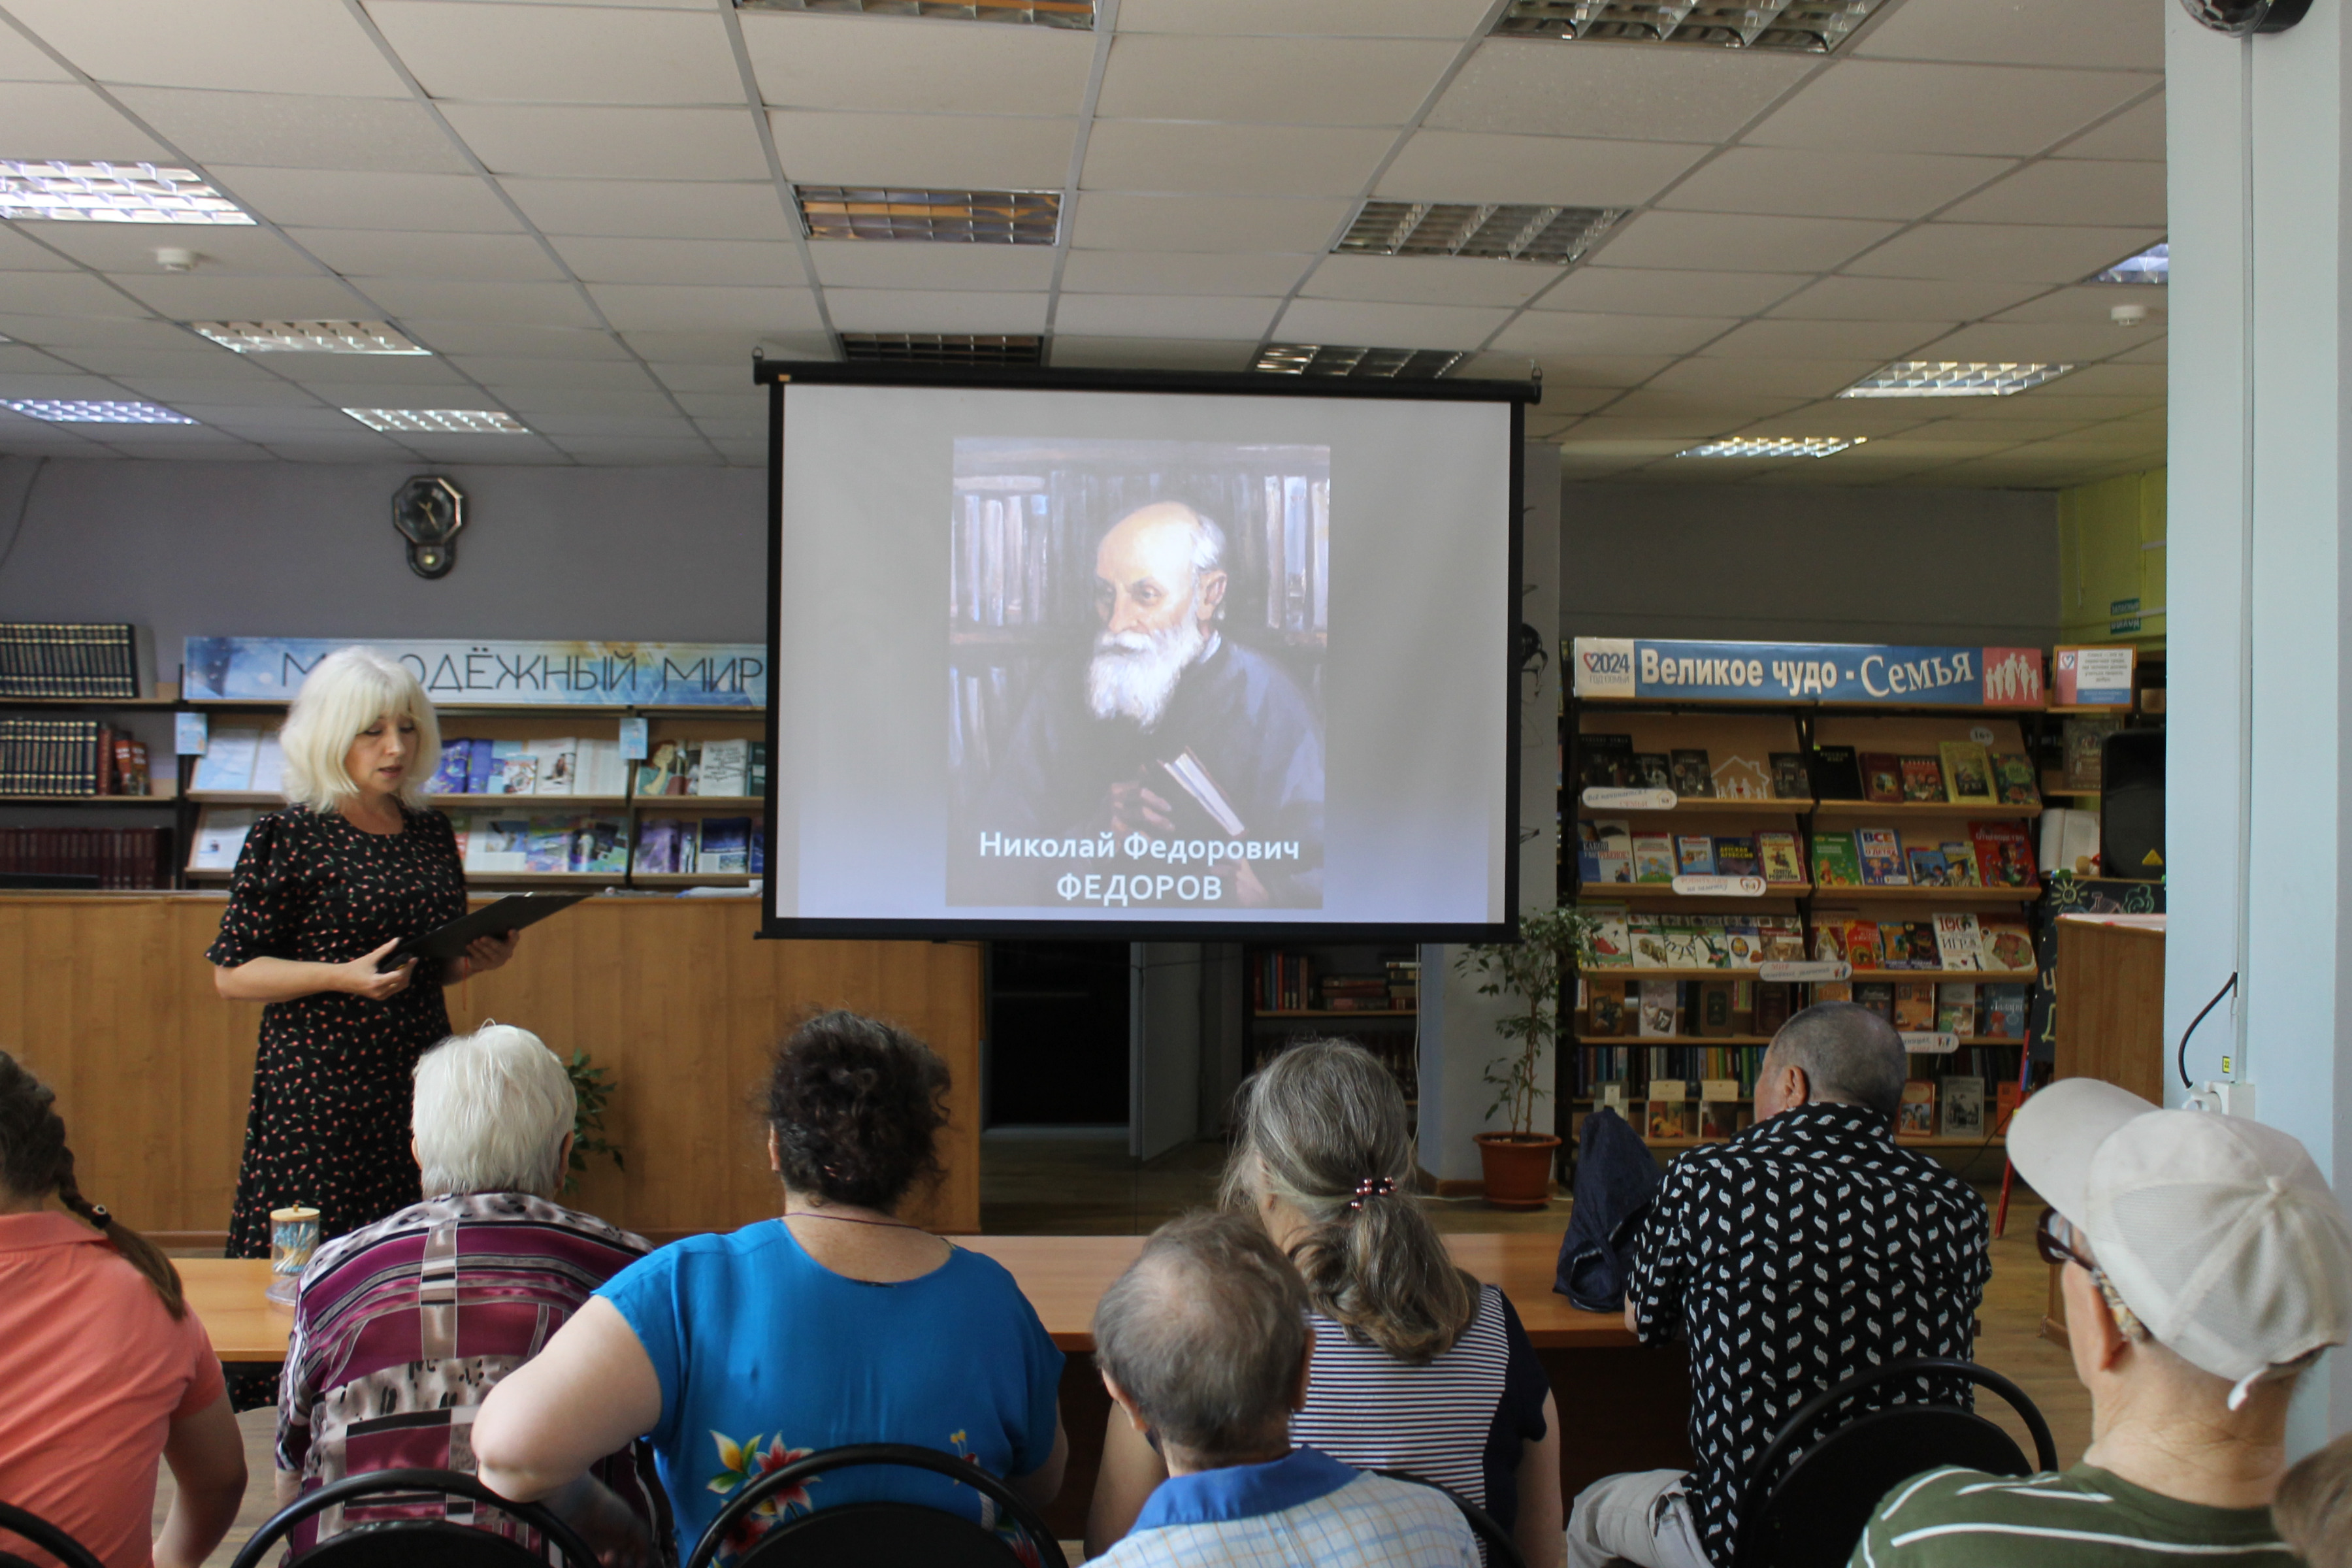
(1134,674)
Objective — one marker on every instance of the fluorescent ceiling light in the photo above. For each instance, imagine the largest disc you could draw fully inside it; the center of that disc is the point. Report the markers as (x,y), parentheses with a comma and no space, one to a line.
(111,193)
(951,217)
(1327,359)
(309,337)
(1809,27)
(1774,447)
(1515,232)
(1947,378)
(58,412)
(1080,14)
(941,348)
(441,421)
(2153,265)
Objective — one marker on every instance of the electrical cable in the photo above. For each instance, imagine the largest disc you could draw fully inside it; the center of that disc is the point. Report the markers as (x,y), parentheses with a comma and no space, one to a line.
(2181,1060)
(24,506)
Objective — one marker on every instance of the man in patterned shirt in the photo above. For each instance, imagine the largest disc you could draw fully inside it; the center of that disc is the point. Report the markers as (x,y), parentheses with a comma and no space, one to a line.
(1807,1249)
(1204,1342)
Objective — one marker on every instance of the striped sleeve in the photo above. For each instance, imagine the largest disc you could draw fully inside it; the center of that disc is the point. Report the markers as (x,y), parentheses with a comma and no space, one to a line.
(1965,1519)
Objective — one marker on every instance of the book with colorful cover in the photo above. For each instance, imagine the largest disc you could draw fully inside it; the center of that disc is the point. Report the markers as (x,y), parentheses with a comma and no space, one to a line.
(1968,773)
(548,846)
(1613,944)
(725,845)
(481,765)
(1694,854)
(1605,1006)
(2004,1012)
(2006,944)
(1955,1008)
(1960,942)
(1927,866)
(2004,854)
(1881,778)
(1654,857)
(1735,855)
(558,765)
(1915,1006)
(1959,863)
(2085,743)
(1963,1101)
(1829,942)
(1694,780)
(1923,779)
(1776,852)
(1668,1118)
(497,843)
(1865,947)
(1612,853)
(2006,1098)
(1836,862)
(1790,780)
(1882,857)
(449,778)
(1909,944)
(1915,1116)
(1660,1008)
(1718,1118)
(2013,778)
(599,845)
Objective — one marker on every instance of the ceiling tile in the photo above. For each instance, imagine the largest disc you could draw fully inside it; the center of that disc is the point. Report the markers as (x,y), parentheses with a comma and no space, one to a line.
(222,251)
(20,252)
(613,144)
(2136,381)
(2045,341)
(696,379)
(1773,377)
(1117,220)
(1473,166)
(1150,353)
(2097,32)
(1180,272)
(1578,334)
(2071,190)
(915,310)
(311,47)
(550,54)
(299,130)
(643,403)
(927,68)
(1831,185)
(2155,350)
(2011,252)
(1429,279)
(741,400)
(193,296)
(68,332)
(1159,316)
(243,419)
(508,338)
(1898,300)
(1310,18)
(43,121)
(2137,135)
(1568,371)
(1681,429)
(200,362)
(313,198)
(933,152)
(21,60)
(545,304)
(872,263)
(1703,407)
(1905,107)
(1259,160)
(1750,242)
(1782,338)
(2093,302)
(1640,291)
(63,294)
(1288,81)
(652,209)
(654,307)
(625,375)
(1388,326)
(1549,88)
(609,451)
(731,350)
(55,383)
(751,262)
(392,253)
(339,377)
(641,425)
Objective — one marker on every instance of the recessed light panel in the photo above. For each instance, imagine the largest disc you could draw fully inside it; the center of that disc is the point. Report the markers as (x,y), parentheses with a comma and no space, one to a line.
(1514,231)
(1948,378)
(1327,359)
(441,421)
(1080,14)
(1807,26)
(2153,265)
(948,218)
(112,193)
(81,413)
(1774,447)
(940,348)
(309,337)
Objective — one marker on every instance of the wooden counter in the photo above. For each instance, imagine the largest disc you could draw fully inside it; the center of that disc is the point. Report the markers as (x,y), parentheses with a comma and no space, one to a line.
(108,997)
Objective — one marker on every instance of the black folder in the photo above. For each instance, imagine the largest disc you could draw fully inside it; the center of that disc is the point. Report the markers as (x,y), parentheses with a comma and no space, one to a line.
(512,913)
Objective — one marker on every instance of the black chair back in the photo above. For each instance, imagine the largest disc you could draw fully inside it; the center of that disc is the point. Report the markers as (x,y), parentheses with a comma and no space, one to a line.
(48,1537)
(1501,1548)
(879,1535)
(1813,1515)
(401,1543)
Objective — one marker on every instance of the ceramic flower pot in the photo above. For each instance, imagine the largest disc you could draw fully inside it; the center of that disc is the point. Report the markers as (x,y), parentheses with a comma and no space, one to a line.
(1518,1169)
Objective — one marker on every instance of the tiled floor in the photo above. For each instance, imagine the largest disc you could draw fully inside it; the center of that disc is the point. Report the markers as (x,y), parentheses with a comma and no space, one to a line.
(1088,1187)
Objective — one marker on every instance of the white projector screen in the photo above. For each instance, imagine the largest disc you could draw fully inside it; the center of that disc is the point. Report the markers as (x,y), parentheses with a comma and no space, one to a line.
(1151,662)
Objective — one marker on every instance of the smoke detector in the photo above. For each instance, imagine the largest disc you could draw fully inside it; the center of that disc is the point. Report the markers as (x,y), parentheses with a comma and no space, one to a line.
(2128,315)
(175,258)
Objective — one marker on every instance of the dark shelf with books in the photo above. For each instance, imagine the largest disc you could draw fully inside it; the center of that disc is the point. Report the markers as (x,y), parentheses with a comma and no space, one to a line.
(1367,993)
(77,734)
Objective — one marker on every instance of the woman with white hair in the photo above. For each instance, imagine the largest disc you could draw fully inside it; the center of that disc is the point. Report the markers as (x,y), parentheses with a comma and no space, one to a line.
(324,890)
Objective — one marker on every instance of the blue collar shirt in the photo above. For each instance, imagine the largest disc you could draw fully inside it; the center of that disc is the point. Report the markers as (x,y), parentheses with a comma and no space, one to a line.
(1302,1509)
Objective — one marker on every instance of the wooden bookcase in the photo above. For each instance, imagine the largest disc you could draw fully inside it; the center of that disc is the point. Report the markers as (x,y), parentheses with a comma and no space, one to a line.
(1394,1034)
(147,720)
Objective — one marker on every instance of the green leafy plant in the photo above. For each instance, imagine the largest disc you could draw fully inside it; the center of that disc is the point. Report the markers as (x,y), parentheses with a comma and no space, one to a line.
(592,1090)
(1531,972)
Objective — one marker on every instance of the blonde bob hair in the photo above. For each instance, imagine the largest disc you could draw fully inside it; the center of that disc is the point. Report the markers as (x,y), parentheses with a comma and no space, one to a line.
(491,1112)
(346,692)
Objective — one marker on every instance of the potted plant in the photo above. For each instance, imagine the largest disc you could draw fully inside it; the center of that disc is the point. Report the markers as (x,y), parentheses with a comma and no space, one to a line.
(1532,972)
(592,1090)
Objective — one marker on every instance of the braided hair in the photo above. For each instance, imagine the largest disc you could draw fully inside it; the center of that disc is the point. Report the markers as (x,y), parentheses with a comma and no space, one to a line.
(36,1162)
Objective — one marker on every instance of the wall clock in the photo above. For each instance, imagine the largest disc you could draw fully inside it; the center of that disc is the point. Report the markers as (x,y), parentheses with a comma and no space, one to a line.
(2242,18)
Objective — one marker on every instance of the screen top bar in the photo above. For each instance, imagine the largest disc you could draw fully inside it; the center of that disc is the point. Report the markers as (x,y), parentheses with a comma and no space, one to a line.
(1038,378)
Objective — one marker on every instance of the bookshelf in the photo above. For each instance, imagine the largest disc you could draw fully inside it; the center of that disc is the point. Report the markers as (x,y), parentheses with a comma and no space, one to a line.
(1288,988)
(128,841)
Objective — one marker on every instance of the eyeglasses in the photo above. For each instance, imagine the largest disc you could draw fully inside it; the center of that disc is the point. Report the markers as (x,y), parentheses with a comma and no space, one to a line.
(2059,1242)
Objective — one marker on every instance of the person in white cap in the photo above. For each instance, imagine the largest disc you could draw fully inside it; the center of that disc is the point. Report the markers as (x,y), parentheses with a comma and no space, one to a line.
(2207,1266)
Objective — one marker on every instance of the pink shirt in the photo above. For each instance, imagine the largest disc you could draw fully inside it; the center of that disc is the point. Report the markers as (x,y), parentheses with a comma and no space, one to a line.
(96,1372)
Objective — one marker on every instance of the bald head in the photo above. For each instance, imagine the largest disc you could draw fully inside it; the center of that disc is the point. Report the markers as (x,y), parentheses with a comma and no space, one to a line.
(1847,1054)
(1159,566)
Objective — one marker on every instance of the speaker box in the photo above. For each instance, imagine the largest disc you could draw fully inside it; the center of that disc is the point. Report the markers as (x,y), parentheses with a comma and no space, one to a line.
(2131,804)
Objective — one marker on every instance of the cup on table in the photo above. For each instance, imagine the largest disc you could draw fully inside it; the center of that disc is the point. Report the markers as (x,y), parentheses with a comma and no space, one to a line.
(293,1237)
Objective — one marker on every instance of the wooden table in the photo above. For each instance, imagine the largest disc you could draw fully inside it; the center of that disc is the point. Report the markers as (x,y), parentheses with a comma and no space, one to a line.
(1622,1407)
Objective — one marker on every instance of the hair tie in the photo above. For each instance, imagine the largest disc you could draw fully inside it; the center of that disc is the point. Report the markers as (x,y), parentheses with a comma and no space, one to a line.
(99,1217)
(1370,1187)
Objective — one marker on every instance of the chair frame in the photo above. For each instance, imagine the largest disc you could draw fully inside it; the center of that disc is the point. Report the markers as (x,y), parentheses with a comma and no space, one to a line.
(1500,1547)
(53,1539)
(448,1483)
(1753,1496)
(852,1455)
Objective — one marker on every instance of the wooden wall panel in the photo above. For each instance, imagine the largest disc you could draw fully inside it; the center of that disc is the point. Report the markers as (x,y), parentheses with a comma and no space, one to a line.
(108,997)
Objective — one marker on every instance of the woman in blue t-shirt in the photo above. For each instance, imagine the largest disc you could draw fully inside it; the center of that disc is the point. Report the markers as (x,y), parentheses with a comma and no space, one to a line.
(837,1324)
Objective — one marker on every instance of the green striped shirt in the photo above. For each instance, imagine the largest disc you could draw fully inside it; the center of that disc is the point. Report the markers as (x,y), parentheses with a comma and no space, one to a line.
(2081,1518)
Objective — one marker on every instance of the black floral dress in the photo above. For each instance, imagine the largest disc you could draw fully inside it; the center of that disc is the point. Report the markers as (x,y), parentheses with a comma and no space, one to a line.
(329,1126)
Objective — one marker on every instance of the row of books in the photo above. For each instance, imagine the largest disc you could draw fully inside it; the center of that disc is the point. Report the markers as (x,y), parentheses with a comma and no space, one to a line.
(1732,1068)
(117,857)
(244,761)
(1985,854)
(1992,1012)
(1608,850)
(554,765)
(69,756)
(1285,982)
(54,659)
(1705,1112)
(1617,1005)
(1642,938)
(1946,940)
(500,843)
(1961,773)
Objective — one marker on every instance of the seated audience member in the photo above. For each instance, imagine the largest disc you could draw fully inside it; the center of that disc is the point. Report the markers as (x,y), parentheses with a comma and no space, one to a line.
(1417,1366)
(1807,1249)
(2206,1267)
(2312,1509)
(103,1369)
(1203,1346)
(403,1326)
(839,1323)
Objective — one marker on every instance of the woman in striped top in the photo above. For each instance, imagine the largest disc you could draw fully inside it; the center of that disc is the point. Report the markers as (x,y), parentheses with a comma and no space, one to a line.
(1417,1366)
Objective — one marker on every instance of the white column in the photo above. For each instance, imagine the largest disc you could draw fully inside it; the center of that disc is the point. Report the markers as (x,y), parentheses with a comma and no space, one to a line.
(2259,782)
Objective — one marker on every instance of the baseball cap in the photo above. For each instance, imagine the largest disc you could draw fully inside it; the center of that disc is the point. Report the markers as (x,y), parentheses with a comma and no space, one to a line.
(2220,1233)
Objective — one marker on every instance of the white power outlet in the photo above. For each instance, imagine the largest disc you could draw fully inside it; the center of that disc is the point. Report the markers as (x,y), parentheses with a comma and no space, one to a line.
(2229,1099)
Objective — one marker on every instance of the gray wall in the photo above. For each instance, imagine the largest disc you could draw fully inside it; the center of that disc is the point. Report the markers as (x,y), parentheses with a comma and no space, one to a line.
(308,550)
(1810,565)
